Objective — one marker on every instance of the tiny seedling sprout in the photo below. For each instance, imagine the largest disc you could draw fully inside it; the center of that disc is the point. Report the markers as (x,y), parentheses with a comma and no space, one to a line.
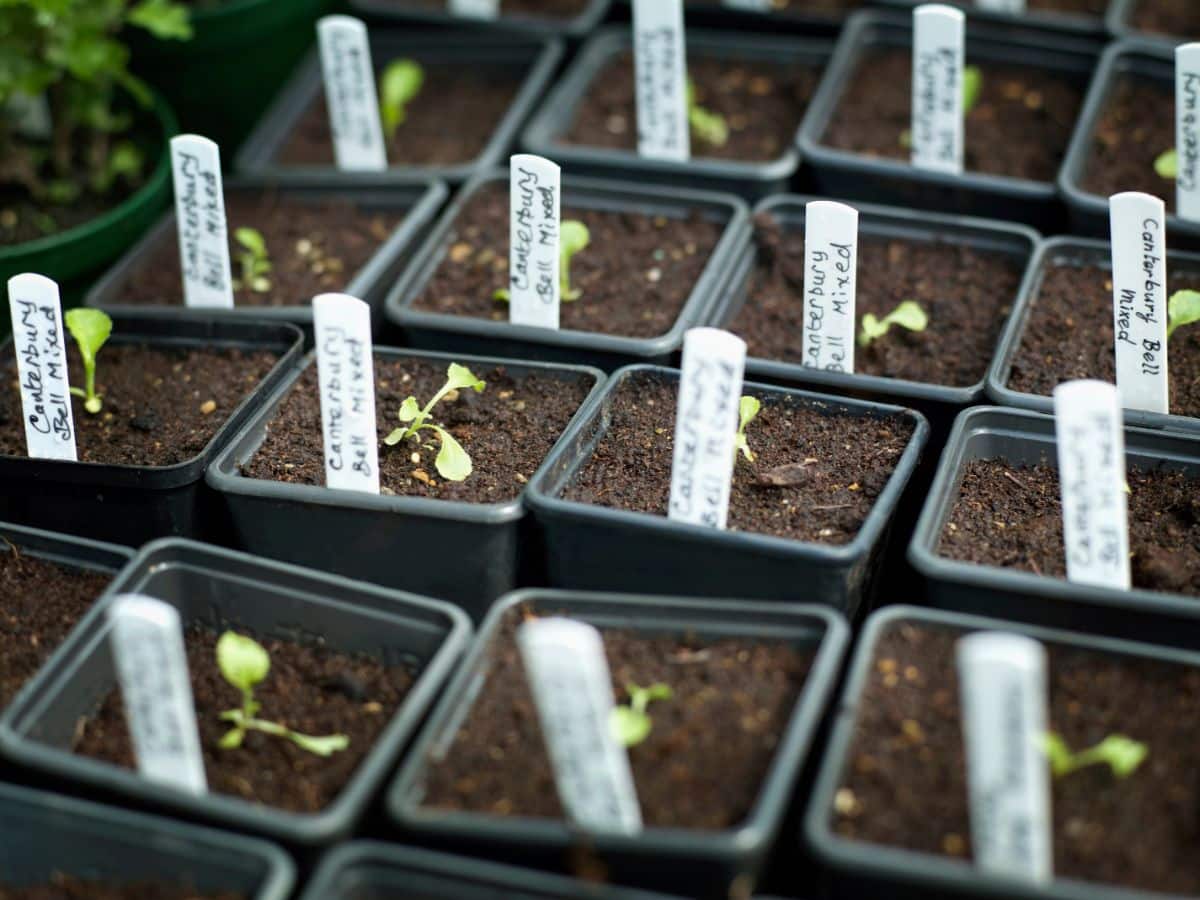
(452,460)
(1167,165)
(398,86)
(90,328)
(908,315)
(244,663)
(573,236)
(1121,754)
(253,260)
(748,408)
(972,91)
(708,126)
(630,725)
(1182,309)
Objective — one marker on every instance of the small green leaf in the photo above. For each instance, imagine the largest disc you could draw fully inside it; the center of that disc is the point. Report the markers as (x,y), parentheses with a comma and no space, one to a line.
(252,240)
(452,462)
(409,410)
(395,437)
(748,408)
(398,86)
(243,661)
(909,315)
(1058,753)
(501,296)
(628,726)
(1167,165)
(706,125)
(872,329)
(573,237)
(232,739)
(320,746)
(459,377)
(90,328)
(1121,754)
(164,19)
(972,87)
(1182,309)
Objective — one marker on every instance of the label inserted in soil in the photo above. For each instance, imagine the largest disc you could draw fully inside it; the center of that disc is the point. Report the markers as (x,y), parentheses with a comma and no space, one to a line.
(660,66)
(350,95)
(39,343)
(710,388)
(534,262)
(830,269)
(1139,267)
(571,685)
(475,9)
(346,375)
(937,88)
(1187,131)
(1004,6)
(1002,686)
(1091,471)
(201,222)
(151,662)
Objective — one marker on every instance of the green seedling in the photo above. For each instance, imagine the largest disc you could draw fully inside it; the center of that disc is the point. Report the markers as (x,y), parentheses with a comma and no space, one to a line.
(90,328)
(908,315)
(1121,754)
(748,408)
(253,261)
(244,663)
(452,461)
(573,236)
(706,125)
(1182,309)
(1167,165)
(399,85)
(630,725)
(972,90)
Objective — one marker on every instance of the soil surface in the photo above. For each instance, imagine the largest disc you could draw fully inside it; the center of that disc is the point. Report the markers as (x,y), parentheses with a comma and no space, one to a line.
(688,774)
(314,246)
(1039,105)
(905,782)
(636,274)
(967,294)
(1130,134)
(1176,17)
(310,689)
(65,887)
(21,219)
(474,98)
(834,465)
(42,602)
(1011,516)
(161,406)
(762,103)
(507,430)
(1069,335)
(541,9)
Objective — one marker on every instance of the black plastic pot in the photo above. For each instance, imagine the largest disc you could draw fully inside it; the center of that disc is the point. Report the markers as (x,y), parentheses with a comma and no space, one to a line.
(1025,438)
(1056,20)
(1069,251)
(858,869)
(366,870)
(43,834)
(596,548)
(689,862)
(394,11)
(421,201)
(219,588)
(439,331)
(544,135)
(538,60)
(840,173)
(134,504)
(1119,26)
(713,14)
(474,552)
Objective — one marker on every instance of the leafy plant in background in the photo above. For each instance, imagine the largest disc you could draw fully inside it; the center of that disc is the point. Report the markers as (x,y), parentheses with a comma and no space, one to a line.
(908,315)
(453,463)
(253,261)
(1121,754)
(399,85)
(748,408)
(573,236)
(1182,309)
(630,725)
(90,328)
(706,125)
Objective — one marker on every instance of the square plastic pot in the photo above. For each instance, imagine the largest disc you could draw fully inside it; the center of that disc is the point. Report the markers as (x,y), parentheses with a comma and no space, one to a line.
(1025,438)
(859,869)
(539,59)
(467,334)
(126,504)
(840,173)
(577,26)
(1069,251)
(219,588)
(420,202)
(592,547)
(44,834)
(1068,23)
(1119,26)
(545,133)
(689,862)
(488,542)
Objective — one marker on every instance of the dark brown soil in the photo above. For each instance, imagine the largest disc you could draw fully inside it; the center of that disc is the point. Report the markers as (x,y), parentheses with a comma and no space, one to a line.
(1012,517)
(967,294)
(65,887)
(541,9)
(310,689)
(507,430)
(1175,17)
(846,463)
(905,785)
(314,246)
(636,275)
(1037,105)
(762,104)
(1135,128)
(688,773)
(21,219)
(473,99)
(156,402)
(1069,335)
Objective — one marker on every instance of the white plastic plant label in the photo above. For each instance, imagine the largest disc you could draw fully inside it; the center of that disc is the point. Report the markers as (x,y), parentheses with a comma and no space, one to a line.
(660,67)
(39,342)
(1002,688)
(1139,279)
(830,273)
(201,223)
(534,259)
(475,9)
(706,421)
(350,95)
(937,88)
(1091,471)
(1187,131)
(147,647)
(572,689)
(1004,6)
(346,376)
